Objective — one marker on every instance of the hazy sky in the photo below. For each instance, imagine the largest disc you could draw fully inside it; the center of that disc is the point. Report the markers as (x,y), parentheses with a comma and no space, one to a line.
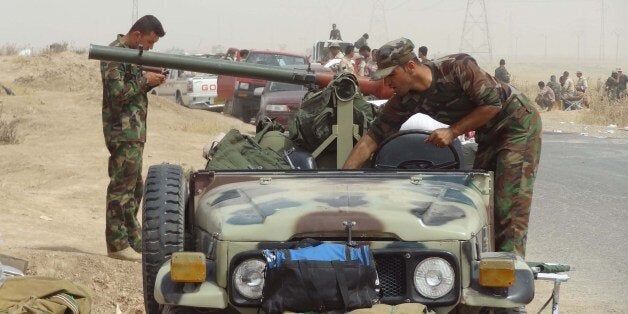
(518,28)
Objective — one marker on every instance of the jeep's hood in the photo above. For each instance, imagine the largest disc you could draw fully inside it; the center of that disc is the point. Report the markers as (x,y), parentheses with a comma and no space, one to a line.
(283,208)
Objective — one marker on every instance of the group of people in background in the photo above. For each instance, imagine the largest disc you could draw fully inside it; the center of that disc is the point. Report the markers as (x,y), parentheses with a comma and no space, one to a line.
(564,94)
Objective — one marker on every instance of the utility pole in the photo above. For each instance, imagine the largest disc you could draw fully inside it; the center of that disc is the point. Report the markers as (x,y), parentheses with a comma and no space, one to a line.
(545,51)
(378,27)
(134,12)
(578,36)
(616,33)
(476,39)
(602,31)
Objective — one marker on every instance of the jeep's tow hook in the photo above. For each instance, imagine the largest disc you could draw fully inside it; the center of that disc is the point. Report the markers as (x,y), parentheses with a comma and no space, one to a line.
(349,227)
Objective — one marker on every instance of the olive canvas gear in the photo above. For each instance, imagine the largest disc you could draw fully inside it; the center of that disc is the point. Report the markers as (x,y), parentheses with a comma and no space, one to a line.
(312,125)
(237,151)
(35,294)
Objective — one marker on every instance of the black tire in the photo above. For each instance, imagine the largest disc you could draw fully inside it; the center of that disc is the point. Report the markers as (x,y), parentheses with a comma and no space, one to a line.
(228,107)
(179,99)
(163,224)
(241,111)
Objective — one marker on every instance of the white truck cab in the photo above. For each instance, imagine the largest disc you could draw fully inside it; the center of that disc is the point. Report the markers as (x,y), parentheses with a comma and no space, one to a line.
(192,90)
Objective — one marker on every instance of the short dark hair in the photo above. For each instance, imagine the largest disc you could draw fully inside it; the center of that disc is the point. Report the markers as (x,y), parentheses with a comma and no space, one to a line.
(244,52)
(423,50)
(147,24)
(349,49)
(502,62)
(541,84)
(365,48)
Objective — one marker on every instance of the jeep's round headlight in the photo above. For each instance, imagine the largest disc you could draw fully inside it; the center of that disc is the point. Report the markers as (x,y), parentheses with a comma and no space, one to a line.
(434,277)
(248,278)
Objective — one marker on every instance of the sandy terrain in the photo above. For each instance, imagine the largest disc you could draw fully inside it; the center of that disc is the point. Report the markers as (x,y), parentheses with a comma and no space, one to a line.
(53,181)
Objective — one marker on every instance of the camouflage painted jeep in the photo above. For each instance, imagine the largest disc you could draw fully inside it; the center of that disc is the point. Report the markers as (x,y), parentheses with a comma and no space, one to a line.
(429,226)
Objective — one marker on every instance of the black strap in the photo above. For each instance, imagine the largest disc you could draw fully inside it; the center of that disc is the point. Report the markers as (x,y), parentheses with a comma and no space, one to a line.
(342,283)
(306,280)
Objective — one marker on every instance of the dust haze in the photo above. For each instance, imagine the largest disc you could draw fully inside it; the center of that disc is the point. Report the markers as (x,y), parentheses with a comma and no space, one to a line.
(519,30)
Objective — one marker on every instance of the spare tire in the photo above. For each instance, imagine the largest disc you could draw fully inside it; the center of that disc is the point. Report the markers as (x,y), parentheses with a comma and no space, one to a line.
(165,196)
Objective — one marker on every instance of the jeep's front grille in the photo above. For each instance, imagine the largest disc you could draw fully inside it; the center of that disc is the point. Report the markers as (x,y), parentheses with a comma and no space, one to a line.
(391,270)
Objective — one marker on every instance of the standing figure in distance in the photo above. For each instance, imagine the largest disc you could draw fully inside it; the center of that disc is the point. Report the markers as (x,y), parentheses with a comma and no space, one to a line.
(423,54)
(335,33)
(501,73)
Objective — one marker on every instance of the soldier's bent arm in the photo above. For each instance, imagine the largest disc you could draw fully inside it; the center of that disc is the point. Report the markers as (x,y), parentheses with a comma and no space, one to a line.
(120,88)
(479,117)
(361,152)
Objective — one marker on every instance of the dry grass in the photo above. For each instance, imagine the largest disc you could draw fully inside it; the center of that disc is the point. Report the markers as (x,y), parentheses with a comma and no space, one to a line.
(9,50)
(605,111)
(8,131)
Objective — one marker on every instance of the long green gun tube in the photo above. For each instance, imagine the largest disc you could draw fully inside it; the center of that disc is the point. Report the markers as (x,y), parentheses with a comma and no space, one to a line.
(200,64)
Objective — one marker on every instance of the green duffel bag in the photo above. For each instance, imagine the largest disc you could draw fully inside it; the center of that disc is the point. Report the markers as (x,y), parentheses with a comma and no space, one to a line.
(237,151)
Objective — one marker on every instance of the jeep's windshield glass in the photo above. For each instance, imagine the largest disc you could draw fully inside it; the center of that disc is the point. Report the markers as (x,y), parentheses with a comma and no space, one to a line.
(274,59)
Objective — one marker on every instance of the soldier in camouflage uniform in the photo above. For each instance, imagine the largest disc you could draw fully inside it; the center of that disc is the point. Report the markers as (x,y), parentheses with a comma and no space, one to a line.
(455,91)
(124,125)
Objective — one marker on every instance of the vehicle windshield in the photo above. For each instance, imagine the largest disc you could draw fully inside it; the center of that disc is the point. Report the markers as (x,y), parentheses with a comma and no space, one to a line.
(274,59)
(283,87)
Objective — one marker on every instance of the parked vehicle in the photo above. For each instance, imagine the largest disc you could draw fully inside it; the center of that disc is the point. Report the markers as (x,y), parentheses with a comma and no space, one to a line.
(198,91)
(281,101)
(238,92)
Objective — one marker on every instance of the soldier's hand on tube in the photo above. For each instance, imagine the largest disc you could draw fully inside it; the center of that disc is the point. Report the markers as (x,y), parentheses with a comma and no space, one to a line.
(154,79)
(441,137)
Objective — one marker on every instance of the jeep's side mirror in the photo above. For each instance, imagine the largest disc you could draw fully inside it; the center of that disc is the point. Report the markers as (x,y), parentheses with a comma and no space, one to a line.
(258,91)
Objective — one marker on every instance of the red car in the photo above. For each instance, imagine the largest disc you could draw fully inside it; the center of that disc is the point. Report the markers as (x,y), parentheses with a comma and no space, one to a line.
(281,101)
(238,92)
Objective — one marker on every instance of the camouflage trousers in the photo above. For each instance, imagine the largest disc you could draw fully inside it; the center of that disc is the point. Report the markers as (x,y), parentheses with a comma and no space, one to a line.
(124,195)
(512,149)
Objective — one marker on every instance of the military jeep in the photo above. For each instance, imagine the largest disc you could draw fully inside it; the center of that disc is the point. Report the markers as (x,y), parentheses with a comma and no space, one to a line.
(428,223)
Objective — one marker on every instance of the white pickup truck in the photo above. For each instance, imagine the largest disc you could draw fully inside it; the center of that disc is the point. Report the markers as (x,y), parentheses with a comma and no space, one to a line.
(192,90)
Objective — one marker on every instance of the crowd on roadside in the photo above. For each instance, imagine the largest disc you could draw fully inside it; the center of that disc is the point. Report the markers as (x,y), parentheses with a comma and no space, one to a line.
(567,94)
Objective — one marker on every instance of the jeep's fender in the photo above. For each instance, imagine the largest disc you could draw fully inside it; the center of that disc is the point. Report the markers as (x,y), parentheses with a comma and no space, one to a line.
(206,295)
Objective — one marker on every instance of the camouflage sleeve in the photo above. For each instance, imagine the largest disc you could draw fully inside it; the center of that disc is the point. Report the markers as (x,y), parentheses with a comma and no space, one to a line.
(390,119)
(481,88)
(120,88)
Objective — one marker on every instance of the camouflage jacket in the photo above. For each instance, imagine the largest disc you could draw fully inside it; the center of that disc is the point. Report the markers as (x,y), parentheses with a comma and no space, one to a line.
(555,86)
(458,87)
(502,74)
(124,100)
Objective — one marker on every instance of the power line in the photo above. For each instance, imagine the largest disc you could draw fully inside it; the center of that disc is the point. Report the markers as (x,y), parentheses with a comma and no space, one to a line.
(134,12)
(475,38)
(378,26)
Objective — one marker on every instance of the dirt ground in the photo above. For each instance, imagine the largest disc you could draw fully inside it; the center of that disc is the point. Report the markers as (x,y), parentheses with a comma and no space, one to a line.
(53,181)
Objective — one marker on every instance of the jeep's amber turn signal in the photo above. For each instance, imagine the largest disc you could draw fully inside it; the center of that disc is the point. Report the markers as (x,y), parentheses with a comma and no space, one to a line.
(499,273)
(187,267)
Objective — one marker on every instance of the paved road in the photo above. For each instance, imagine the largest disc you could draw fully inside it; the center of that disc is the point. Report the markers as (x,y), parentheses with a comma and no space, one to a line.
(580,217)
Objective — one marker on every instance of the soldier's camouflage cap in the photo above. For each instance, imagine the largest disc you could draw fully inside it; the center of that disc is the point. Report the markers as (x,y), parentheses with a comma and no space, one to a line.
(391,55)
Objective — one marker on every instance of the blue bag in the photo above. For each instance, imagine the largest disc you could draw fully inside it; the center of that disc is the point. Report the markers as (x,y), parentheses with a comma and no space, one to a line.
(319,278)
(322,252)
